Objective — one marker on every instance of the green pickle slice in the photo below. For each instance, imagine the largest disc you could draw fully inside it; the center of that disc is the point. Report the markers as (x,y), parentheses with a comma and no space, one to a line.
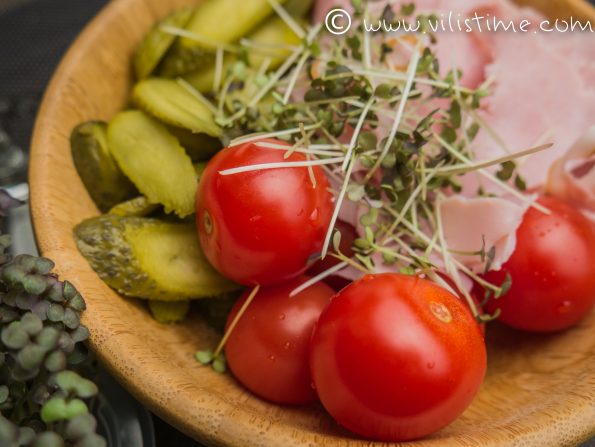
(156,43)
(102,177)
(199,146)
(138,207)
(215,23)
(173,104)
(148,258)
(169,312)
(154,160)
(272,30)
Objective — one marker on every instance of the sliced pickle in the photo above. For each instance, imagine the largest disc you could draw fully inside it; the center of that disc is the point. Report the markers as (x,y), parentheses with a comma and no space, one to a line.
(156,43)
(173,104)
(215,23)
(154,160)
(273,30)
(199,146)
(102,177)
(215,311)
(199,168)
(148,258)
(169,312)
(137,207)
(298,8)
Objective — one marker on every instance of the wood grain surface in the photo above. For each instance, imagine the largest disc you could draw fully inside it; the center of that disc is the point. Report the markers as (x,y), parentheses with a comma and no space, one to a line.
(540,390)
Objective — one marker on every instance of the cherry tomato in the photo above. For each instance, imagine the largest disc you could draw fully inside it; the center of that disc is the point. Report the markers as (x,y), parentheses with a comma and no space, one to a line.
(262,226)
(268,349)
(552,270)
(348,235)
(460,295)
(396,357)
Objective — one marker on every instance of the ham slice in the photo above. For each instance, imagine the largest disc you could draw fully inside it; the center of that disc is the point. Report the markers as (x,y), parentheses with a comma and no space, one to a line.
(470,224)
(538,96)
(572,177)
(458,49)
(543,91)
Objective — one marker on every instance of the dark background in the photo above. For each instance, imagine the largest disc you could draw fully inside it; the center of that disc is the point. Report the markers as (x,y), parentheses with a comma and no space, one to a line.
(34,34)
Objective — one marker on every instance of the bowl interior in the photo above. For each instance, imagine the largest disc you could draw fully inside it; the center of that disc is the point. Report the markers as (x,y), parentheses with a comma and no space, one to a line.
(539,390)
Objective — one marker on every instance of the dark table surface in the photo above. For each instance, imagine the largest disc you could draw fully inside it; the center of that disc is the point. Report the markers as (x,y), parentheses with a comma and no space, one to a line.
(34,34)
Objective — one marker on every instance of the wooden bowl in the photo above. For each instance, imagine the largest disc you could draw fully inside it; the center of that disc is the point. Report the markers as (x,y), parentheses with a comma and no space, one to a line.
(540,390)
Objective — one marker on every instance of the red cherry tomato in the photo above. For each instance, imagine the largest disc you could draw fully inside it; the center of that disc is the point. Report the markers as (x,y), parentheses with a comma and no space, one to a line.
(261,226)
(460,295)
(348,235)
(268,349)
(552,270)
(396,357)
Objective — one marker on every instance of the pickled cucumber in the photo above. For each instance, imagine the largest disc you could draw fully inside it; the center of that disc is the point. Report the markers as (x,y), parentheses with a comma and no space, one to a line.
(102,177)
(298,8)
(154,160)
(199,146)
(148,258)
(273,30)
(171,103)
(215,311)
(168,312)
(139,207)
(156,43)
(225,21)
(215,22)
(180,61)
(199,168)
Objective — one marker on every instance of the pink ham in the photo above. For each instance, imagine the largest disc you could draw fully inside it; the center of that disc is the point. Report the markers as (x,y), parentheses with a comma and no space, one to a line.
(543,91)
(572,177)
(538,96)
(467,223)
(456,49)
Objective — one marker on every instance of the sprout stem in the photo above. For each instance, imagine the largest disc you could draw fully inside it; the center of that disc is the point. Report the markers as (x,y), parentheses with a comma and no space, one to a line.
(235,321)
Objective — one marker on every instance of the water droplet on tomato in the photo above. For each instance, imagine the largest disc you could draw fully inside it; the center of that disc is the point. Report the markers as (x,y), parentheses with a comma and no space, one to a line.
(312,385)
(281,316)
(287,345)
(207,222)
(315,217)
(440,311)
(272,358)
(255,218)
(367,277)
(431,365)
(565,307)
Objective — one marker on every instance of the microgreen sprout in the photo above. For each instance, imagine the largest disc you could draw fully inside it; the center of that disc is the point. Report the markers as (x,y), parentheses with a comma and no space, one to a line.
(217,358)
(371,123)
